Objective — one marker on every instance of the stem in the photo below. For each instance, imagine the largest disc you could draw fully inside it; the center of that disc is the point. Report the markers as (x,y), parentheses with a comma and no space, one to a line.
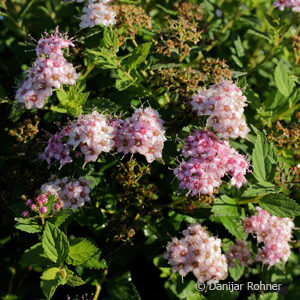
(98,289)
(99,285)
(253,200)
(88,70)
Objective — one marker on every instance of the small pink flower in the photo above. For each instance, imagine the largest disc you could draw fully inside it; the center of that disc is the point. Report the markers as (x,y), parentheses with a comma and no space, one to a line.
(44,209)
(25,214)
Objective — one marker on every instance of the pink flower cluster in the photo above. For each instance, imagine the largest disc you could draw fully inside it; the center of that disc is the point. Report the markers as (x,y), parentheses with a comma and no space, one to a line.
(293,4)
(91,134)
(142,133)
(68,193)
(224,103)
(274,232)
(199,253)
(50,70)
(239,251)
(97,13)
(38,205)
(210,159)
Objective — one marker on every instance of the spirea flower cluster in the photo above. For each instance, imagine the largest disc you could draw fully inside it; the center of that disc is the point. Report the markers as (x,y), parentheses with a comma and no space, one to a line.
(38,205)
(274,232)
(97,13)
(94,133)
(199,253)
(239,251)
(209,160)
(293,4)
(141,133)
(50,70)
(68,193)
(90,135)
(224,103)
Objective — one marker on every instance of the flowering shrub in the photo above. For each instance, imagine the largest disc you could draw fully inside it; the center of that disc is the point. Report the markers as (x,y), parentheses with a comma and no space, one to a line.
(129,124)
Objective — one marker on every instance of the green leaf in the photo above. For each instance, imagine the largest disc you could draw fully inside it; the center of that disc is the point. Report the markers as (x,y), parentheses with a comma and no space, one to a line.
(101,105)
(259,34)
(121,288)
(81,250)
(104,58)
(124,81)
(51,273)
(49,286)
(283,83)
(75,280)
(166,10)
(55,243)
(280,205)
(110,39)
(95,263)
(239,47)
(28,225)
(34,257)
(264,160)
(268,296)
(16,112)
(260,189)
(137,56)
(61,216)
(225,206)
(237,272)
(232,224)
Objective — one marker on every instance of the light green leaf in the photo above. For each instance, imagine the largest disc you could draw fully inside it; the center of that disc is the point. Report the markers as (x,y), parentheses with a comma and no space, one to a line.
(28,225)
(55,243)
(225,206)
(137,56)
(50,274)
(61,216)
(260,189)
(49,286)
(264,160)
(81,250)
(237,272)
(280,205)
(283,83)
(75,280)
(124,81)
(110,39)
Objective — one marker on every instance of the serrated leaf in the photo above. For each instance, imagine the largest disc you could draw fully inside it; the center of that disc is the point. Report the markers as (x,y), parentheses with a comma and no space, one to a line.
(259,34)
(16,112)
(101,105)
(264,160)
(28,225)
(103,58)
(237,272)
(81,250)
(138,55)
(61,216)
(123,82)
(55,243)
(75,280)
(49,286)
(281,76)
(121,288)
(50,274)
(225,206)
(232,224)
(110,39)
(34,257)
(239,47)
(95,263)
(280,205)
(260,189)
